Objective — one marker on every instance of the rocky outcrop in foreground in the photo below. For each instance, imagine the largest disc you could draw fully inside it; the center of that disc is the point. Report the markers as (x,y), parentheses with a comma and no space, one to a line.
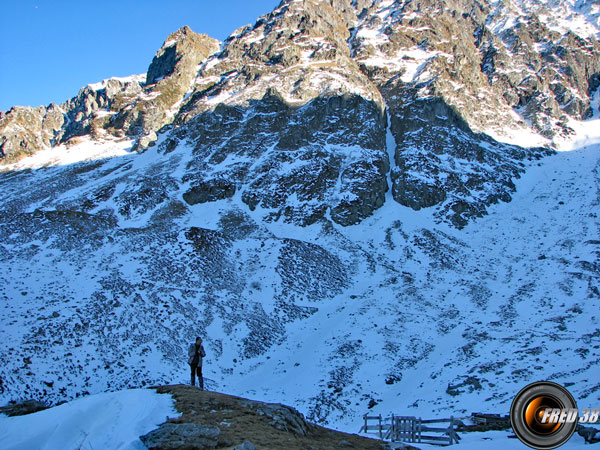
(212,420)
(21,409)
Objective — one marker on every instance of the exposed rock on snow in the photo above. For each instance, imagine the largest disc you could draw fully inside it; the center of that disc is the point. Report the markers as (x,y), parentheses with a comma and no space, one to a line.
(172,436)
(21,409)
(444,74)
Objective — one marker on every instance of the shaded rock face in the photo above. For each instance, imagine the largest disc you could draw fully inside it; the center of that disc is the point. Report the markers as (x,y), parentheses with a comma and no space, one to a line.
(297,163)
(440,161)
(447,72)
(434,130)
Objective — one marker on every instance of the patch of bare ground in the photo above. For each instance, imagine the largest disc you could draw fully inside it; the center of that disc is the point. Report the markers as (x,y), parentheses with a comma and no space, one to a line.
(268,426)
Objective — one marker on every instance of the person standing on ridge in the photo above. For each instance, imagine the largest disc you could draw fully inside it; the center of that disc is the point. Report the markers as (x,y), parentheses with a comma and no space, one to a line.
(196,353)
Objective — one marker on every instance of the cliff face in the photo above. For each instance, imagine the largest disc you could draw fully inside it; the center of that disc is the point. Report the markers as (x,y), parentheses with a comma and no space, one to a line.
(354,202)
(449,81)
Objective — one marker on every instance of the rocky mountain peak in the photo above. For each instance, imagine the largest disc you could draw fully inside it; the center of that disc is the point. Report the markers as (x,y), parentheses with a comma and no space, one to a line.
(181,51)
(299,49)
(475,73)
(134,106)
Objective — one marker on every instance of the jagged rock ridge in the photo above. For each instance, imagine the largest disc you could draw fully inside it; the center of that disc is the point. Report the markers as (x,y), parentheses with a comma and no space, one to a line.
(135,106)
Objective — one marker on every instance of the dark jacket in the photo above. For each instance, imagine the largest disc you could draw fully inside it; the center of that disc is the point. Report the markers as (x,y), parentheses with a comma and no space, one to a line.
(192,351)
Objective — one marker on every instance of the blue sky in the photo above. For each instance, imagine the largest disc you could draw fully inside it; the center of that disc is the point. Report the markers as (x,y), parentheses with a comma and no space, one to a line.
(49,49)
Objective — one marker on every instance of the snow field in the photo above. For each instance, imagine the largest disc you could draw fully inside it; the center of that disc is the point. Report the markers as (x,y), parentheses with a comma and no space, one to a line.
(112,420)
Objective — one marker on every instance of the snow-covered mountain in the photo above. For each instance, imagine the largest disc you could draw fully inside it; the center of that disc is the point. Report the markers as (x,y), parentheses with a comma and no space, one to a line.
(358,204)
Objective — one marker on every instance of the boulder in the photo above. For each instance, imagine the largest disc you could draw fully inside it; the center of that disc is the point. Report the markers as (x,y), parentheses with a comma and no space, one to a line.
(190,436)
(209,191)
(284,418)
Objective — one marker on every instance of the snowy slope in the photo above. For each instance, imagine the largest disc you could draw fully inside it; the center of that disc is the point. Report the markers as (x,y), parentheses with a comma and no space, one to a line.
(498,440)
(103,421)
(579,16)
(289,250)
(521,270)
(421,318)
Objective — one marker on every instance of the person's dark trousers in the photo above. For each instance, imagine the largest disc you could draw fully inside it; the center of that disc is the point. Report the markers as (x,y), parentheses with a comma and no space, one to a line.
(197,370)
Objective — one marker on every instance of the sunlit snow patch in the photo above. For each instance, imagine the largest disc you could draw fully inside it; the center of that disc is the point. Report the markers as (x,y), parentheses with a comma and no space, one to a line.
(586,132)
(63,155)
(141,78)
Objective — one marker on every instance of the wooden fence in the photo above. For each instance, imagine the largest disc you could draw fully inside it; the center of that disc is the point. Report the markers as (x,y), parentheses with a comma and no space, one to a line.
(376,424)
(411,429)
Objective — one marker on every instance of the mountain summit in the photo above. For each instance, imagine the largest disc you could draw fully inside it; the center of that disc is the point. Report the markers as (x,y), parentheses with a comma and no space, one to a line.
(358,204)
(476,74)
